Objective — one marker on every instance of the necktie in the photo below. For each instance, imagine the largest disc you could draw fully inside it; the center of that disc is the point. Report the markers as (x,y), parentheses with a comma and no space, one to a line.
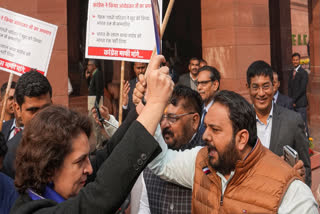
(202,127)
(16,131)
(294,73)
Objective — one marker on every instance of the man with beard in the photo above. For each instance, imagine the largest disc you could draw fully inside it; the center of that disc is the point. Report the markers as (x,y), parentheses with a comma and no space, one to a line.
(179,127)
(189,79)
(234,173)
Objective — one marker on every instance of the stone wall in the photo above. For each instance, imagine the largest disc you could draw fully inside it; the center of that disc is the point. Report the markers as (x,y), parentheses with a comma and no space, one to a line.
(54,12)
(234,34)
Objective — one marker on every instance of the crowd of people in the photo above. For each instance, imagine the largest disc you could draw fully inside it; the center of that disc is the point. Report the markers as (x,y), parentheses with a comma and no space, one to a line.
(188,147)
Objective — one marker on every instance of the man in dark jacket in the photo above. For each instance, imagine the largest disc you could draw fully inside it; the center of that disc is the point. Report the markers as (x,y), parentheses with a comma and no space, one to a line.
(94,78)
(189,79)
(297,88)
(33,92)
(8,193)
(138,68)
(278,98)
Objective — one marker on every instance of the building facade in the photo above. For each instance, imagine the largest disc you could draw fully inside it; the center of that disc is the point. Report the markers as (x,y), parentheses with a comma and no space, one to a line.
(229,34)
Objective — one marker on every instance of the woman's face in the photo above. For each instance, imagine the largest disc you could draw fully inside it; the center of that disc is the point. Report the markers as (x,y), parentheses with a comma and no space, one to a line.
(72,175)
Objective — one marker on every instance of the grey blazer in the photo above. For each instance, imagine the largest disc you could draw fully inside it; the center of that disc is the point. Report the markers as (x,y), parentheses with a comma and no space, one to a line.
(184,79)
(288,129)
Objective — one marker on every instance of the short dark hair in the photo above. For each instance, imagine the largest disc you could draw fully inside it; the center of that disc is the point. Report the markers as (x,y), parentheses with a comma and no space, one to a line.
(4,87)
(96,62)
(202,60)
(3,146)
(241,113)
(193,58)
(296,54)
(193,101)
(259,68)
(214,73)
(31,84)
(45,143)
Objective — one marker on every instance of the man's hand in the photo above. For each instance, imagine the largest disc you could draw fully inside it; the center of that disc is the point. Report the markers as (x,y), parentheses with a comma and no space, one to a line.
(159,90)
(300,169)
(299,166)
(159,83)
(104,111)
(139,90)
(88,74)
(126,89)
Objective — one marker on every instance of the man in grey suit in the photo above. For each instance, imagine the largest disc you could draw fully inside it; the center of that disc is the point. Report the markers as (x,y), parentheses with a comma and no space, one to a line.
(277,126)
(189,79)
(278,98)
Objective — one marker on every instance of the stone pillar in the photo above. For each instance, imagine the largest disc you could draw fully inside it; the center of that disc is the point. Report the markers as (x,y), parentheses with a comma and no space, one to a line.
(314,77)
(234,34)
(54,12)
(281,43)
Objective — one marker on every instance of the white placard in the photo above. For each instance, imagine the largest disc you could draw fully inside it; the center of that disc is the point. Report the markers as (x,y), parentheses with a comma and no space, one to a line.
(120,30)
(25,43)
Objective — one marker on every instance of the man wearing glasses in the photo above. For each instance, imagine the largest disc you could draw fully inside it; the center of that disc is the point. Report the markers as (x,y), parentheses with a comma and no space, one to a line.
(208,84)
(94,78)
(179,126)
(277,126)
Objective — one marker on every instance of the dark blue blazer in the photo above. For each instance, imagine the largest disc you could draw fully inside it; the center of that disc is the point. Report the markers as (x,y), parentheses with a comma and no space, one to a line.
(297,87)
(284,101)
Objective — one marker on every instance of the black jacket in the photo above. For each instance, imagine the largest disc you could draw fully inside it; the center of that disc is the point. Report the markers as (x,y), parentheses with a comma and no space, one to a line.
(131,149)
(297,88)
(10,157)
(6,129)
(96,84)
(284,101)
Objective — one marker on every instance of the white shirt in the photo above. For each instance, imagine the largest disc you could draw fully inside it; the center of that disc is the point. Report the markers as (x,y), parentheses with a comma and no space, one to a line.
(264,130)
(275,97)
(144,201)
(110,130)
(179,167)
(297,68)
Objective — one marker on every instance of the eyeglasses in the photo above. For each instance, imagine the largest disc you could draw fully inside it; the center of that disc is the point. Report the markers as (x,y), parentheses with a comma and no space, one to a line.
(264,87)
(203,83)
(172,118)
(90,64)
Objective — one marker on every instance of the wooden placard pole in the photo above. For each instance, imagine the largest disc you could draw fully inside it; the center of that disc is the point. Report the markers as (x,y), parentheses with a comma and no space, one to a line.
(121,92)
(4,101)
(164,23)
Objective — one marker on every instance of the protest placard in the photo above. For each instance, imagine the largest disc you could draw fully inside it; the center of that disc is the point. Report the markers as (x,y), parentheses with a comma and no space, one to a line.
(25,43)
(120,30)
